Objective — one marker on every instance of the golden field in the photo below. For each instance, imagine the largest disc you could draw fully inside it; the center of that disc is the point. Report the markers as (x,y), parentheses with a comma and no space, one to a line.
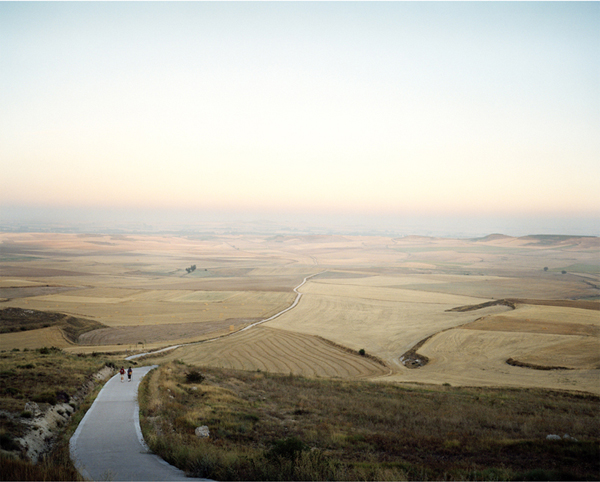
(382,295)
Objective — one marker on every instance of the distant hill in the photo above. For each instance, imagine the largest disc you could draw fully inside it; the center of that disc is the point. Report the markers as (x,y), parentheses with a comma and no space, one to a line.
(492,237)
(562,240)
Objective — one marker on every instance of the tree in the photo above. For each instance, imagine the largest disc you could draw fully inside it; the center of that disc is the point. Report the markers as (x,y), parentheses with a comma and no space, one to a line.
(546,268)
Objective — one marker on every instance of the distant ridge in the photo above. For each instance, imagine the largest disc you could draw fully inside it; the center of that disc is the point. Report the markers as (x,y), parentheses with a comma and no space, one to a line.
(414,237)
(562,240)
(492,237)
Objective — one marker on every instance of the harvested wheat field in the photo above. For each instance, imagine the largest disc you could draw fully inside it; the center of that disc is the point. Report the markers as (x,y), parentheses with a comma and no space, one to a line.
(530,346)
(387,296)
(51,336)
(279,351)
(374,313)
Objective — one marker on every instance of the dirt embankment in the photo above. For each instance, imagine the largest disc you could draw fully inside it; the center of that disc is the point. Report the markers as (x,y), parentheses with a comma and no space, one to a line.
(513,302)
(517,363)
(18,319)
(480,306)
(44,425)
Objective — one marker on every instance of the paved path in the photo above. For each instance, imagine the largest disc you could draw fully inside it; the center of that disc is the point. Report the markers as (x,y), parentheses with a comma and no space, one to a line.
(108,443)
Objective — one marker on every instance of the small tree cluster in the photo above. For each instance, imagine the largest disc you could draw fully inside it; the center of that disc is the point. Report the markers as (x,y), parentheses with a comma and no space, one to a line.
(191,268)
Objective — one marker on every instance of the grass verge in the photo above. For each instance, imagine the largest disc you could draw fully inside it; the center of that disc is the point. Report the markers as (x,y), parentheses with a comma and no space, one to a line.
(272,427)
(46,376)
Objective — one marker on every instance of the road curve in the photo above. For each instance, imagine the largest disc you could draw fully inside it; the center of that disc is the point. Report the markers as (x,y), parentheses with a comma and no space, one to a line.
(108,443)
(296,300)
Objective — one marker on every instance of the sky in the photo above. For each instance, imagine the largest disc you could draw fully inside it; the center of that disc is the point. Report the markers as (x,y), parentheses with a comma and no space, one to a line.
(407,117)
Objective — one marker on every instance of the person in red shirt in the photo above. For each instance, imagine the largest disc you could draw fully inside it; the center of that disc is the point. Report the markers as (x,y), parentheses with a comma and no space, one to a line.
(122,372)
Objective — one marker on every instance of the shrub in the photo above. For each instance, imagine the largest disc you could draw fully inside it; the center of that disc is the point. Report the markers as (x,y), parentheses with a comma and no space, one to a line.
(46,397)
(361,352)
(289,449)
(7,442)
(12,391)
(46,351)
(194,376)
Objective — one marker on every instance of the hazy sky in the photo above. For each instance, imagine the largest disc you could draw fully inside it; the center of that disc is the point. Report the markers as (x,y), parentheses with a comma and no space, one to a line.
(392,110)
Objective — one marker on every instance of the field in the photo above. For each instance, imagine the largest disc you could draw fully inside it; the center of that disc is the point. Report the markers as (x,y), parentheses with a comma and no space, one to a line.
(394,298)
(326,357)
(279,351)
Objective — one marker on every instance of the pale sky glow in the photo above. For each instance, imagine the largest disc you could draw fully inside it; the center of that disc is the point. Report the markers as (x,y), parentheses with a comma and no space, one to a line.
(388,109)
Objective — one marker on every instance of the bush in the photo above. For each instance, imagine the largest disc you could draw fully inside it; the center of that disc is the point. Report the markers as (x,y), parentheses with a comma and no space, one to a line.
(46,397)
(46,351)
(289,449)
(194,376)
(361,352)
(7,442)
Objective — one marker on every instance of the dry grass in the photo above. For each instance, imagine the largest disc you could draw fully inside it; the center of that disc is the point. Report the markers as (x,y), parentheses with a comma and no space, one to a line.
(46,376)
(357,430)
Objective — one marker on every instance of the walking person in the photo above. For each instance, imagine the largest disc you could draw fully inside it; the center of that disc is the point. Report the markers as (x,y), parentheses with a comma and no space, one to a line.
(129,373)
(122,372)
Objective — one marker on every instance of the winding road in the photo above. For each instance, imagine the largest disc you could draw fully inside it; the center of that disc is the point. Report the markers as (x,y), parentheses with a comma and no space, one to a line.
(108,443)
(293,305)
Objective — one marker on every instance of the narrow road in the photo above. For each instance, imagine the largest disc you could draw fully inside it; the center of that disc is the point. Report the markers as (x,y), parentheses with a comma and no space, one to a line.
(108,443)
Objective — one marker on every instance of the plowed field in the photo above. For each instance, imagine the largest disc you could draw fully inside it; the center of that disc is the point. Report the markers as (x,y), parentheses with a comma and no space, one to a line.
(281,351)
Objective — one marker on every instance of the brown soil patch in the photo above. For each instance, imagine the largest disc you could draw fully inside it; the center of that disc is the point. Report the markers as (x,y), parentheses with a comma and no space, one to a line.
(581,304)
(128,335)
(28,291)
(33,272)
(510,324)
(480,306)
(412,359)
(517,363)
